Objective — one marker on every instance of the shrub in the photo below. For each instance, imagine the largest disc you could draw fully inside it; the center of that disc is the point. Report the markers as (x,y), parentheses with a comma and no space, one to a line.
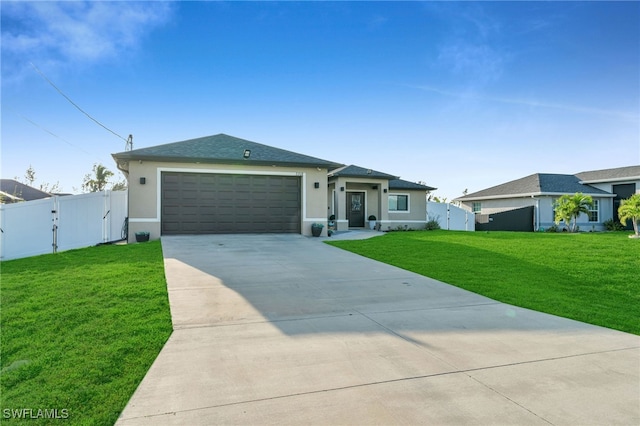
(612,225)
(552,228)
(432,225)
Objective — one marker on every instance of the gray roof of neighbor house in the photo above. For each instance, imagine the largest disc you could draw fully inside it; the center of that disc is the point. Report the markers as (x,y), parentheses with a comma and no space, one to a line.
(405,184)
(20,191)
(536,184)
(610,175)
(223,149)
(356,171)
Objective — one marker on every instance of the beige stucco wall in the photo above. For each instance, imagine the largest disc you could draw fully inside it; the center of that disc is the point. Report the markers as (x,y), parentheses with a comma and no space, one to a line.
(415,218)
(144,200)
(376,203)
(375,200)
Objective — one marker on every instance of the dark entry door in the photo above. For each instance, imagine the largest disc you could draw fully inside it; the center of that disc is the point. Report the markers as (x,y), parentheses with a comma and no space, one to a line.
(622,192)
(355,208)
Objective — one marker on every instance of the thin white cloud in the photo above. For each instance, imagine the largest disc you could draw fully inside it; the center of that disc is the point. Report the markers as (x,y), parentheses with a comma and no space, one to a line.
(471,50)
(478,62)
(633,116)
(72,33)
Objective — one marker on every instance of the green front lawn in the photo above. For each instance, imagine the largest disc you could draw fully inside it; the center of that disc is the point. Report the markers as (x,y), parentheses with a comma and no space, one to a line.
(589,277)
(80,329)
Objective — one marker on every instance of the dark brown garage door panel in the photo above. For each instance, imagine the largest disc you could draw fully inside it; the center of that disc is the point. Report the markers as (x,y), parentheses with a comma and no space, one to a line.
(208,203)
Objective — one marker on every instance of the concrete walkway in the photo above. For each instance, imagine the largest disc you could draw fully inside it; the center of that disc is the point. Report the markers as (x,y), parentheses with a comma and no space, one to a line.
(286,330)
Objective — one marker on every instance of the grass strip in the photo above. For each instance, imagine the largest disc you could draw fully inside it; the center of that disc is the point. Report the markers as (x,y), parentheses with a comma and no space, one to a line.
(589,277)
(80,329)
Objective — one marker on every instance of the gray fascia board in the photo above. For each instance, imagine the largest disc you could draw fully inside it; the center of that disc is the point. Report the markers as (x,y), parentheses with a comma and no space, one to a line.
(621,179)
(528,195)
(501,197)
(198,160)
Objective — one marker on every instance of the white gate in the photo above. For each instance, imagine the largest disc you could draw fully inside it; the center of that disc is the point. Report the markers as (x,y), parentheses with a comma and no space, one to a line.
(61,223)
(451,217)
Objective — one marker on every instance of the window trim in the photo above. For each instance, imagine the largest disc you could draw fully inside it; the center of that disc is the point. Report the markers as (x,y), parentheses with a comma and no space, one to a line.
(405,194)
(594,210)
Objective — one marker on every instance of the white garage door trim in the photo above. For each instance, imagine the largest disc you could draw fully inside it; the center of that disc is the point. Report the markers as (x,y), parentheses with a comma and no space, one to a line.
(159,171)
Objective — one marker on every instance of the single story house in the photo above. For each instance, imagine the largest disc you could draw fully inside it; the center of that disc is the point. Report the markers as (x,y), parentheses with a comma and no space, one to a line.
(224,184)
(12,191)
(539,192)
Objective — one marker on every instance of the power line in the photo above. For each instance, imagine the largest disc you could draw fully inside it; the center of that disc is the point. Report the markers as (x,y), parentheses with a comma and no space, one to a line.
(44,129)
(75,105)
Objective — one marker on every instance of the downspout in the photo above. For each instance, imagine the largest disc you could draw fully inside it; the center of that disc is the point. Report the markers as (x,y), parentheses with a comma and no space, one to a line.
(536,215)
(122,169)
(126,173)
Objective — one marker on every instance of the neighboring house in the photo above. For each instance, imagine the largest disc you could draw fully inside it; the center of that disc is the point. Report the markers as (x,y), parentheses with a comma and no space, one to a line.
(499,206)
(12,191)
(223,184)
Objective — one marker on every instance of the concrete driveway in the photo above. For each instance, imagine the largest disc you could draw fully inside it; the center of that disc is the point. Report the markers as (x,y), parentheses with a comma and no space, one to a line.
(282,329)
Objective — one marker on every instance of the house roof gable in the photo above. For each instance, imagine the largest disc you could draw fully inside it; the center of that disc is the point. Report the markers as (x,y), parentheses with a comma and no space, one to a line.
(536,184)
(406,185)
(20,190)
(610,175)
(357,171)
(224,149)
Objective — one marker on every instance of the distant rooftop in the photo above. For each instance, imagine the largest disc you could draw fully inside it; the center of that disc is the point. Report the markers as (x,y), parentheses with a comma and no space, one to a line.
(607,175)
(536,184)
(17,191)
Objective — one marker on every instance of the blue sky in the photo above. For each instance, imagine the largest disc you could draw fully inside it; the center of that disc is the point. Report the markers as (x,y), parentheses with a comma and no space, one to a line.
(460,95)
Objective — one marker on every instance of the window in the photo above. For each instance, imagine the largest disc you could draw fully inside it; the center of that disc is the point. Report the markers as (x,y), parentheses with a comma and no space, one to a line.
(477,207)
(593,211)
(398,203)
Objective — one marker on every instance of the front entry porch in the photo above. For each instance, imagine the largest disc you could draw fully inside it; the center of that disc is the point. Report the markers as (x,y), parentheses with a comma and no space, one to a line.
(352,202)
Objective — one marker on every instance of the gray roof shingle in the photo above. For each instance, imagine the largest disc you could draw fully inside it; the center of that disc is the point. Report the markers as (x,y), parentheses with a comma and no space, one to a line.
(620,173)
(356,171)
(405,184)
(536,184)
(224,149)
(21,191)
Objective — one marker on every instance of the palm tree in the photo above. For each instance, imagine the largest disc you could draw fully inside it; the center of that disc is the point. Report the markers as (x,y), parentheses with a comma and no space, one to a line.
(630,209)
(99,180)
(569,208)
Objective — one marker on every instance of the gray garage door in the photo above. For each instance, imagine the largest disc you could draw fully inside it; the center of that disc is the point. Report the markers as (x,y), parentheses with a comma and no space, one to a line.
(205,203)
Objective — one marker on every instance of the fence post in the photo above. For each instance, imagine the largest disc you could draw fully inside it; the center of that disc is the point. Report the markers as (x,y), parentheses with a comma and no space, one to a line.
(54,219)
(105,216)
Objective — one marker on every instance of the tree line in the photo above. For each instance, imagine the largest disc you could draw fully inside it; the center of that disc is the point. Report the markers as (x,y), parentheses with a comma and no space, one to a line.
(99,179)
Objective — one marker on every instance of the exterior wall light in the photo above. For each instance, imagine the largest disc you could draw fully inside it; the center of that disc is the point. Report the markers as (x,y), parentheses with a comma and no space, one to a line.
(143,180)
(316,185)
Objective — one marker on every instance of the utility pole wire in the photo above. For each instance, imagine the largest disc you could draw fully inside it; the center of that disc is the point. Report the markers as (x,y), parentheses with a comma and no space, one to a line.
(50,132)
(74,104)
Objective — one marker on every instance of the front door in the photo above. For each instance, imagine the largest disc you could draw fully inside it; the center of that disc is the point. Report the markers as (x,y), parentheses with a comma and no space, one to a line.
(355,209)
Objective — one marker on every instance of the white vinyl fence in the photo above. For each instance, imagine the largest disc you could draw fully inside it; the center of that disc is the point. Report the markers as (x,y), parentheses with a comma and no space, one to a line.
(451,217)
(61,223)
